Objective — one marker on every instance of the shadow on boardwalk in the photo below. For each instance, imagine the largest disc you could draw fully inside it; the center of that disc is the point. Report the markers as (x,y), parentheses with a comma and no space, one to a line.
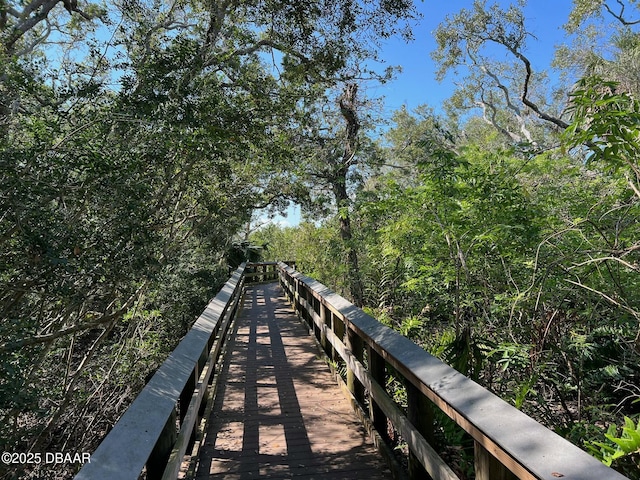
(279,413)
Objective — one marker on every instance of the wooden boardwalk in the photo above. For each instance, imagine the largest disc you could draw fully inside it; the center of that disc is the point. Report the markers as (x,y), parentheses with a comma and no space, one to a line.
(279,412)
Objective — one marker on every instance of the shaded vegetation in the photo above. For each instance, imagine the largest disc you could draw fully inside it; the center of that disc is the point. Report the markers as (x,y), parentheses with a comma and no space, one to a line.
(139,139)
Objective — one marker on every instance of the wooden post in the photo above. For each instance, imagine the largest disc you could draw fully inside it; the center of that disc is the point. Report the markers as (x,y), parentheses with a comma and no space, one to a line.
(316,311)
(187,392)
(161,451)
(338,329)
(325,319)
(318,307)
(296,296)
(304,306)
(487,467)
(378,370)
(420,414)
(356,345)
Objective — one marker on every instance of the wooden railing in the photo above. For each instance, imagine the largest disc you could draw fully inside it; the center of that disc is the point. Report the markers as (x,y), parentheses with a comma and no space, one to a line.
(156,430)
(259,272)
(507,443)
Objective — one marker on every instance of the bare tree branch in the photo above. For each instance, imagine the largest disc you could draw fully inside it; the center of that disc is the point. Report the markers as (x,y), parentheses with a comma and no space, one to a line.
(492,120)
(620,16)
(611,300)
(630,266)
(525,90)
(267,43)
(28,21)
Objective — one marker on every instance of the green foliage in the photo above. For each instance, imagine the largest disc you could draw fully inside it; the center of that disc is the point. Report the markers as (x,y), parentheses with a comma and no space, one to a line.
(133,148)
(607,121)
(410,326)
(461,226)
(317,250)
(621,447)
(511,355)
(243,252)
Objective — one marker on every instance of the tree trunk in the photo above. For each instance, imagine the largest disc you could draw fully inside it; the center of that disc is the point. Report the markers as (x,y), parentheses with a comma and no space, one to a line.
(348,110)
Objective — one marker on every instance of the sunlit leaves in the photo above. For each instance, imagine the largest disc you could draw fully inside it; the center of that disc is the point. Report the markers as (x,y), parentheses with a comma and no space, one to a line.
(607,121)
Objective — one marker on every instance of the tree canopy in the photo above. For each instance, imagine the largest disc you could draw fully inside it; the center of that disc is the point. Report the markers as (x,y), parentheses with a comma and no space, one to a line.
(136,140)
(499,230)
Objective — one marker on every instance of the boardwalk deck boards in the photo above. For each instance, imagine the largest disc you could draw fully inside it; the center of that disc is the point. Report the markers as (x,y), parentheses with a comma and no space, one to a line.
(279,413)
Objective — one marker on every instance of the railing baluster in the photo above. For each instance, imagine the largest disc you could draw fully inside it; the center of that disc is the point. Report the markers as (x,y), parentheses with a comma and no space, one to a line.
(355,344)
(317,308)
(325,319)
(185,395)
(338,329)
(420,414)
(304,306)
(162,449)
(378,370)
(488,467)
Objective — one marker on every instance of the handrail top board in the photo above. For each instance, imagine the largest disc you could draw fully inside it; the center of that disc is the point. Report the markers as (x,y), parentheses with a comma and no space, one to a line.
(126,449)
(489,419)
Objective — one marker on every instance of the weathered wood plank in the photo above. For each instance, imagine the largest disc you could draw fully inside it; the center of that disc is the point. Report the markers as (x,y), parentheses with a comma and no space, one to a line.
(378,371)
(126,449)
(527,448)
(420,414)
(192,412)
(279,413)
(356,347)
(487,467)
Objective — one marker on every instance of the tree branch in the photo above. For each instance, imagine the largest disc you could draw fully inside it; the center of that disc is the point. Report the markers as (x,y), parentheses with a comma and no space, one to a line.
(607,297)
(620,16)
(525,90)
(29,21)
(628,265)
(485,104)
(38,339)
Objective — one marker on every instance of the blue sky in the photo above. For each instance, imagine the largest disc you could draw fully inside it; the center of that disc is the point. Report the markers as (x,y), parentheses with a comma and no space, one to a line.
(417,85)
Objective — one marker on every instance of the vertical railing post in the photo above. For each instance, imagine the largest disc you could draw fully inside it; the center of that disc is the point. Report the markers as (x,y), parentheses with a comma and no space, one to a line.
(313,304)
(187,392)
(160,454)
(338,329)
(304,305)
(325,319)
(420,414)
(309,308)
(378,370)
(296,295)
(356,345)
(488,467)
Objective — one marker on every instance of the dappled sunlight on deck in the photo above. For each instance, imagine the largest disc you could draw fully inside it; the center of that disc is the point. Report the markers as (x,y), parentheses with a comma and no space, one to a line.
(279,412)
